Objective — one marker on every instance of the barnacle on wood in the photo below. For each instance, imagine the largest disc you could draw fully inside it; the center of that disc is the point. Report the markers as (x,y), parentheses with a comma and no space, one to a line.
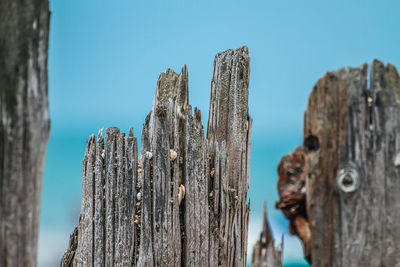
(292,195)
(172,154)
(181,193)
(212,172)
(149,155)
(137,220)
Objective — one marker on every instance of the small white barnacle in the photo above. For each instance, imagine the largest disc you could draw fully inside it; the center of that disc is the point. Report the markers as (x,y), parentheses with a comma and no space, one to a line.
(181,193)
(103,154)
(149,155)
(139,196)
(172,154)
(137,220)
(370,100)
(212,172)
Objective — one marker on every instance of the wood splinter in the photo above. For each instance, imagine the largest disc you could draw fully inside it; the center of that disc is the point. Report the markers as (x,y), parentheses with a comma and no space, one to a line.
(181,193)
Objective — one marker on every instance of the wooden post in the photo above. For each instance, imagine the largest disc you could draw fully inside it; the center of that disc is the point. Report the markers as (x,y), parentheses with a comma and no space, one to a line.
(182,201)
(352,169)
(265,254)
(24,126)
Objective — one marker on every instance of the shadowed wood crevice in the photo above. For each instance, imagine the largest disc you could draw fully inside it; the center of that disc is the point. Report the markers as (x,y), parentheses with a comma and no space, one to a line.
(182,200)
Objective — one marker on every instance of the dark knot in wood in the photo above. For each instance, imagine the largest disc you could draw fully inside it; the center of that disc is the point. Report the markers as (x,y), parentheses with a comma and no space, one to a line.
(311,143)
(348,179)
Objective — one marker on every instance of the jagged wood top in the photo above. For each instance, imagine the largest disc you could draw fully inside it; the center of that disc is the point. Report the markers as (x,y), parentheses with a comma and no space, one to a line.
(172,204)
(265,254)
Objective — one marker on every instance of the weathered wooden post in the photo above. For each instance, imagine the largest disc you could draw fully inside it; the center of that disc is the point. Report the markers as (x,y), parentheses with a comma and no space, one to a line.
(351,175)
(182,201)
(24,126)
(265,254)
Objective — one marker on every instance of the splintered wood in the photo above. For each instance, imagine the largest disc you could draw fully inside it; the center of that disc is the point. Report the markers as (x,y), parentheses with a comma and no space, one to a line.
(183,200)
(265,254)
(351,173)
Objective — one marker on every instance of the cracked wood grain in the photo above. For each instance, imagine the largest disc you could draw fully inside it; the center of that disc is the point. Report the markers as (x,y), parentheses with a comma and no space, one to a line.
(182,200)
(229,138)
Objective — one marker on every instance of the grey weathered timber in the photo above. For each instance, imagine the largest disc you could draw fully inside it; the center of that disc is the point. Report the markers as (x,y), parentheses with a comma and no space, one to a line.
(24,126)
(352,170)
(105,234)
(229,140)
(265,254)
(182,200)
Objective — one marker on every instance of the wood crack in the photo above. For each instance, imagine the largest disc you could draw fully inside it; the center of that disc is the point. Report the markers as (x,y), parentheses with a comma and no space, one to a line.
(184,196)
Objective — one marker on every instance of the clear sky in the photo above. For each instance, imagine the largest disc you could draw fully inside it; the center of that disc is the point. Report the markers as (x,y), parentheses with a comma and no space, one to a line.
(105,57)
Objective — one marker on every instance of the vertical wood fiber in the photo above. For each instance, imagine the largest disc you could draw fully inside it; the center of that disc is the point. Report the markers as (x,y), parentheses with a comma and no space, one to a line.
(352,167)
(24,126)
(182,200)
(264,252)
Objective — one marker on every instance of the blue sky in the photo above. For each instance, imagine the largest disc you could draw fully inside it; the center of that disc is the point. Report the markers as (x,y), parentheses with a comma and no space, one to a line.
(105,57)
